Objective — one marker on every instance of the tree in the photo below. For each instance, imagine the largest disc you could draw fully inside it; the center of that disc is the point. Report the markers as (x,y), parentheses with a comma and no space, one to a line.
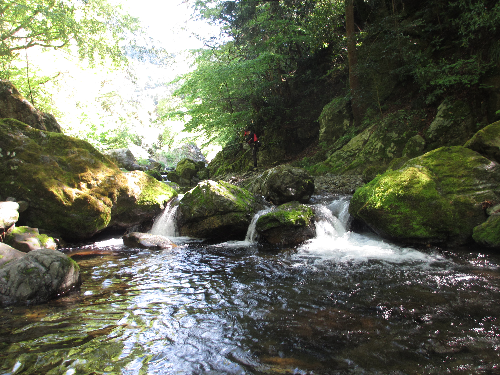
(94,27)
(356,105)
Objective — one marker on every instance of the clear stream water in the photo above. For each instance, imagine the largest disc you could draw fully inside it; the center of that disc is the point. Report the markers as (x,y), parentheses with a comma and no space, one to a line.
(342,303)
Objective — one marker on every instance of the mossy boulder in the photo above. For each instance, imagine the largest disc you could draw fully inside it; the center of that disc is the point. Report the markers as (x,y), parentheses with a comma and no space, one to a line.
(14,105)
(216,210)
(371,151)
(27,239)
(488,233)
(124,158)
(335,120)
(287,225)
(487,142)
(189,172)
(453,125)
(282,184)
(72,189)
(38,277)
(435,198)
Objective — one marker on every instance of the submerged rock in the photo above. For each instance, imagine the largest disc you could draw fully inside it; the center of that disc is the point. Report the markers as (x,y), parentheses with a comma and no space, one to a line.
(288,225)
(38,277)
(72,189)
(216,210)
(435,198)
(27,239)
(147,241)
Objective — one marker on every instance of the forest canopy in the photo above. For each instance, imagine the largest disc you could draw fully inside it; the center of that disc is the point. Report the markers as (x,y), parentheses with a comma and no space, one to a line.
(272,54)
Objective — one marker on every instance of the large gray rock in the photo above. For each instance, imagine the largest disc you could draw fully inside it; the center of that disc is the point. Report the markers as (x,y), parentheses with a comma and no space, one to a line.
(124,158)
(9,214)
(216,210)
(282,184)
(38,277)
(14,105)
(8,254)
(287,225)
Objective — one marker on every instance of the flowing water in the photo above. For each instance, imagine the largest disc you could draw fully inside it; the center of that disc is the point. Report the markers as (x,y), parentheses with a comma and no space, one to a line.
(342,303)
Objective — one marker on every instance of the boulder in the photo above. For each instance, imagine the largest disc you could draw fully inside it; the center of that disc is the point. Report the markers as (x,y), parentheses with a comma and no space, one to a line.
(435,198)
(9,214)
(38,277)
(188,173)
(488,233)
(8,253)
(289,224)
(335,120)
(216,210)
(371,151)
(124,158)
(14,105)
(453,125)
(187,151)
(282,184)
(72,189)
(147,241)
(487,142)
(27,239)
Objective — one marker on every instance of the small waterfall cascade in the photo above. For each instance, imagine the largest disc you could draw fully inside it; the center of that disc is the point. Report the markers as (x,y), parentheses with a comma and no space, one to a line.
(251,235)
(166,224)
(332,219)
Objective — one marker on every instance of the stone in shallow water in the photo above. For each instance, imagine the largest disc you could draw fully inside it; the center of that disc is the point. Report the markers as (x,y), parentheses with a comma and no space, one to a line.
(147,241)
(38,277)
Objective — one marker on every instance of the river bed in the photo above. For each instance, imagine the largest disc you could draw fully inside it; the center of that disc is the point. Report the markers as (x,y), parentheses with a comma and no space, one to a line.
(342,303)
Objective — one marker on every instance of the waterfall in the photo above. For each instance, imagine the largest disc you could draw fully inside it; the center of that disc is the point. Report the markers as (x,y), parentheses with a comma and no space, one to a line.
(165,224)
(251,235)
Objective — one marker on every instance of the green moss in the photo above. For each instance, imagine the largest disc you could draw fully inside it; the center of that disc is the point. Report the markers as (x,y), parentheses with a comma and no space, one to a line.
(488,233)
(290,214)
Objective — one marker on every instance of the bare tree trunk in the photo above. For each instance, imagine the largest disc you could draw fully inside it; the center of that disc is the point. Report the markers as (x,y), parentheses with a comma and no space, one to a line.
(356,105)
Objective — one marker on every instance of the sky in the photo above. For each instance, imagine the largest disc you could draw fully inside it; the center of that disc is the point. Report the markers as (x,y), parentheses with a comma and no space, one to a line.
(170,22)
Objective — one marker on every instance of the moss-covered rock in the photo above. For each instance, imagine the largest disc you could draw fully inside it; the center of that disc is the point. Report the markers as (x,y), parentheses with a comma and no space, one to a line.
(14,105)
(370,152)
(288,224)
(71,188)
(189,172)
(282,184)
(27,239)
(453,125)
(216,210)
(335,120)
(487,142)
(488,233)
(434,198)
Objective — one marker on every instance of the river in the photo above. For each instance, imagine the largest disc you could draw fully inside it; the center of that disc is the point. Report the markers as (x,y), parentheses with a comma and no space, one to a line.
(342,303)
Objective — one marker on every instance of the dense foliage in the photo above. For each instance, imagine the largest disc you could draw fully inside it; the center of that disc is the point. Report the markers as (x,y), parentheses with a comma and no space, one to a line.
(265,65)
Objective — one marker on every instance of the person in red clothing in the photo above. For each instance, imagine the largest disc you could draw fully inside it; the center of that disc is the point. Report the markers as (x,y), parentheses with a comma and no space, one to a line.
(252,139)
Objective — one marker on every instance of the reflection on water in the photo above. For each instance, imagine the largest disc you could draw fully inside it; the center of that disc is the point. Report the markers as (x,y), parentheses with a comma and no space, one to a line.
(342,303)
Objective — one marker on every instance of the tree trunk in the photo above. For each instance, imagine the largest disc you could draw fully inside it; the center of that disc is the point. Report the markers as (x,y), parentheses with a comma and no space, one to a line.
(357,111)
